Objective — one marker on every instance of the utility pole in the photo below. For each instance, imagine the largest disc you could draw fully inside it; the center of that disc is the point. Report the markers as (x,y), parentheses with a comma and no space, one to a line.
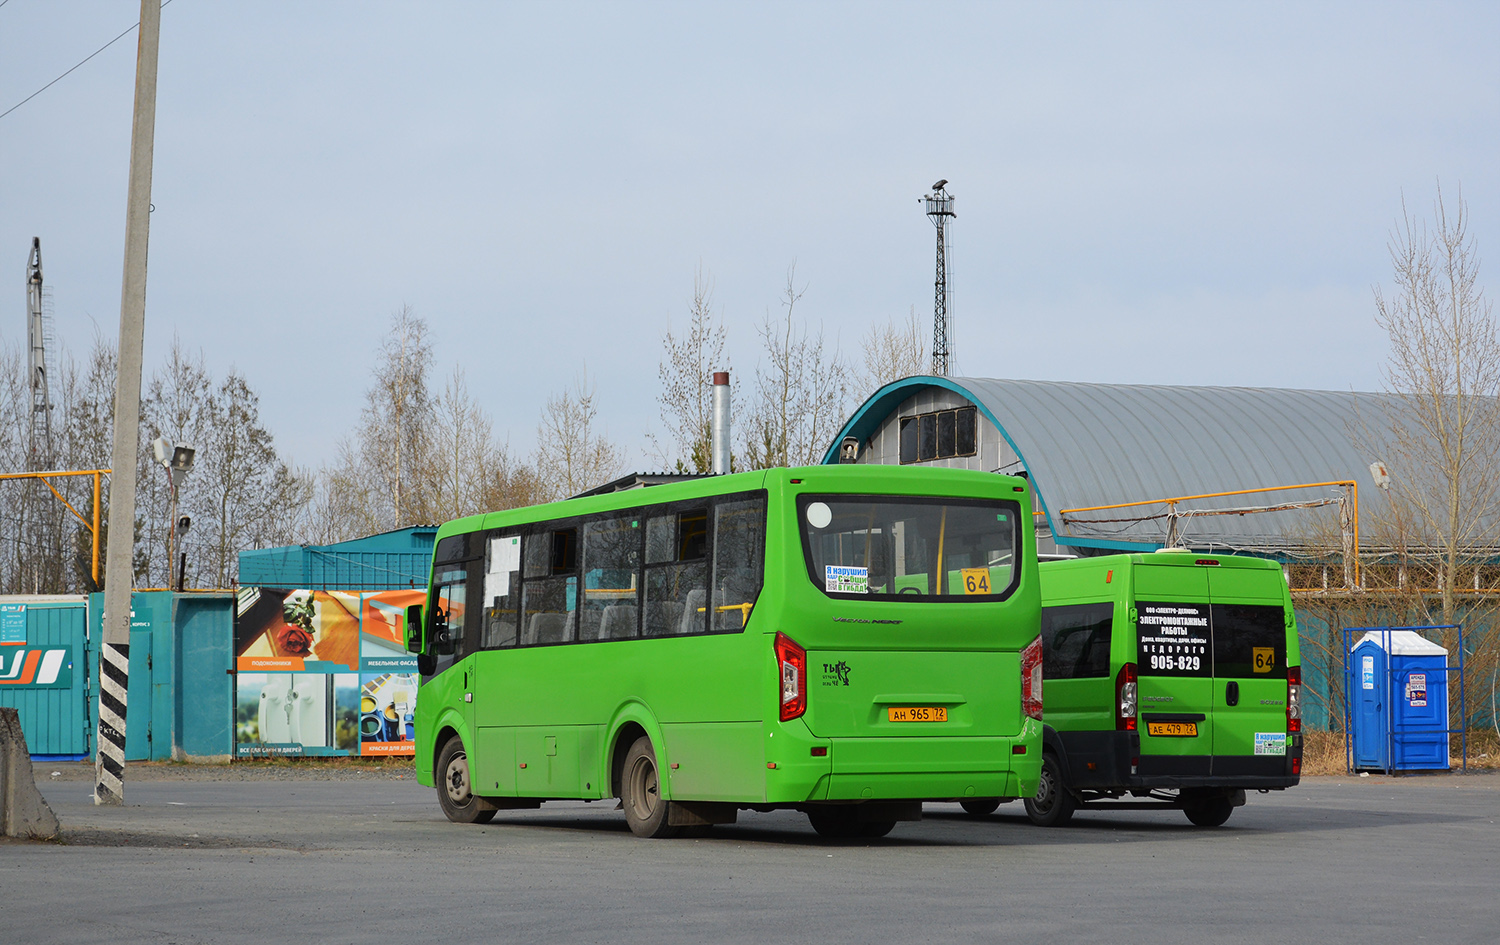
(114,654)
(940,210)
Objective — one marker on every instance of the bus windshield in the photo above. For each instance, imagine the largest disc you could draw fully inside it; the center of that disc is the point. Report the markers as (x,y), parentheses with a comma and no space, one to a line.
(909,548)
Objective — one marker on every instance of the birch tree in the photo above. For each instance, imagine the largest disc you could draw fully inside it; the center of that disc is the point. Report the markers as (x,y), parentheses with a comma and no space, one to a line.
(893,351)
(1444,374)
(686,397)
(573,454)
(800,390)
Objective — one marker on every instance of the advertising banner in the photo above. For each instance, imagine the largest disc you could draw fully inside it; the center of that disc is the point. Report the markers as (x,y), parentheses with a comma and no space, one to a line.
(12,624)
(323,673)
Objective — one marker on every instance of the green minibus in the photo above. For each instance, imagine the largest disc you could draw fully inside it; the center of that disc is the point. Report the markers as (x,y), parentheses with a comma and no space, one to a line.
(1173,678)
(847,641)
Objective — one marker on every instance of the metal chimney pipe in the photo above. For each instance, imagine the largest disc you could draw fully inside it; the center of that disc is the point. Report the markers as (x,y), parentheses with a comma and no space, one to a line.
(719,424)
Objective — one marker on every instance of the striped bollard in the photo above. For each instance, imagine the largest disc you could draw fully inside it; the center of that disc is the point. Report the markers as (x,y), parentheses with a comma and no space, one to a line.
(109,766)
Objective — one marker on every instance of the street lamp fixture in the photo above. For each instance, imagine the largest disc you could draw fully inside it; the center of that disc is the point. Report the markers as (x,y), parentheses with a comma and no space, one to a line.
(178,462)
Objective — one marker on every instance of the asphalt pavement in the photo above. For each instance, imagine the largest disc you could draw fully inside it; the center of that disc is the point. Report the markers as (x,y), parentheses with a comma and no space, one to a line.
(1367,860)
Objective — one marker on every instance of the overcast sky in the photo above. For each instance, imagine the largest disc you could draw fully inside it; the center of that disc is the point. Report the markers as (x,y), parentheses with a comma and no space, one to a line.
(1179,194)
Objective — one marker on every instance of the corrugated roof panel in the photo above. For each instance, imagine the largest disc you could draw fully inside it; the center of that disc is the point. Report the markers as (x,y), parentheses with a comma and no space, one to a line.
(1101,444)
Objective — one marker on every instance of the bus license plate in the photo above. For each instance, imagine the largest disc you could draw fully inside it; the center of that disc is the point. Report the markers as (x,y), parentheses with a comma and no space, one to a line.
(1189,729)
(919,714)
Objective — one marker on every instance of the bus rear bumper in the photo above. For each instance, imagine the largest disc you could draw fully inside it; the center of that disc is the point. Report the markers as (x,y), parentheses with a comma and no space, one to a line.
(921,768)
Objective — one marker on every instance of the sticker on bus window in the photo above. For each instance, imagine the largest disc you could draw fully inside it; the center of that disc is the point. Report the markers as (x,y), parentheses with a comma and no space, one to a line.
(505,554)
(1270,743)
(846,580)
(1264,658)
(976,580)
(1172,639)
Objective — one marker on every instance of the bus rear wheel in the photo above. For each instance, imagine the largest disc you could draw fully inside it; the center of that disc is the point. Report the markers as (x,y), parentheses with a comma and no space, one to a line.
(646,811)
(1209,812)
(1053,805)
(455,793)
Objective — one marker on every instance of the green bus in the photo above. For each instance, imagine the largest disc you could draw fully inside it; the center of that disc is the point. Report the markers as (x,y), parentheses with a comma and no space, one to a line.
(847,641)
(1173,678)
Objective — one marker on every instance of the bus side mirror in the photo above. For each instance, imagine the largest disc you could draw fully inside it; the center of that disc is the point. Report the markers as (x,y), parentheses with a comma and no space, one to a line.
(414,628)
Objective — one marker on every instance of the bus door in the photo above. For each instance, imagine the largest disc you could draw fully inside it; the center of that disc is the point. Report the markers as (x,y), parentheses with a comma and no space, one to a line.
(1174,667)
(1250,630)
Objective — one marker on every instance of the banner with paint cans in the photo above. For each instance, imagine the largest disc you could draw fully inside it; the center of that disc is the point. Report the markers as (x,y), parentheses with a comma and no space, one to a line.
(323,673)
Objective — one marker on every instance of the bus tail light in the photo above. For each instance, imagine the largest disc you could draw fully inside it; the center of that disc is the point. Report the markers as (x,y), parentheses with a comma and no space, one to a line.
(1031,679)
(1125,698)
(1294,698)
(791,666)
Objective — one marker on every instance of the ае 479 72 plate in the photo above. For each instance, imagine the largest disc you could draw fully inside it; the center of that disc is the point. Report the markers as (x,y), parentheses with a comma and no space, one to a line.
(1188,729)
(916,714)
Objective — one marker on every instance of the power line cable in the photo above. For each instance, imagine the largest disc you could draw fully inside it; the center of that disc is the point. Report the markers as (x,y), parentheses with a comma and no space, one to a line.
(70,71)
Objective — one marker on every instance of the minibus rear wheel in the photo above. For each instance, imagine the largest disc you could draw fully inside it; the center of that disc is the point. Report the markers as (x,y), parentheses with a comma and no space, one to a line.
(1209,812)
(1053,805)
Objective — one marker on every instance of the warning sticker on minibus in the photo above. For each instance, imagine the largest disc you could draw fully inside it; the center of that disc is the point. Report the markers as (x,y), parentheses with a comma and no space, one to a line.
(845,579)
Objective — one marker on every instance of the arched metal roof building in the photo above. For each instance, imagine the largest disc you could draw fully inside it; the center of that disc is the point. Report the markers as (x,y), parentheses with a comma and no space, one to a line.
(1090,445)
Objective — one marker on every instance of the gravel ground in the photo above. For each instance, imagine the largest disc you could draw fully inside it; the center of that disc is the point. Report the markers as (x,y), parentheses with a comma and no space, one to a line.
(306,769)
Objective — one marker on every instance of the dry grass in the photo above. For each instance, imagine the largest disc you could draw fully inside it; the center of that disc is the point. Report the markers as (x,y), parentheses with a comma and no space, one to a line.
(1324,752)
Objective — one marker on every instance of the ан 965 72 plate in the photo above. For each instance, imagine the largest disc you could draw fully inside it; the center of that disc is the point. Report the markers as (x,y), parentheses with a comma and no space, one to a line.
(916,714)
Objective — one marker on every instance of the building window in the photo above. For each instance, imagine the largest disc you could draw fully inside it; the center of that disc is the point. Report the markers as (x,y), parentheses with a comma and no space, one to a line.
(942,434)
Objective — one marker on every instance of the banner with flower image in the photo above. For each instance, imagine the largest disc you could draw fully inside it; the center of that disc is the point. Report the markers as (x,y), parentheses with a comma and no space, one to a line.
(323,673)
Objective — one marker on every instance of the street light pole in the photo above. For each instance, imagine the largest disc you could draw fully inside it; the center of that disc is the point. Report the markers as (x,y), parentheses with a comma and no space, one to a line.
(114,654)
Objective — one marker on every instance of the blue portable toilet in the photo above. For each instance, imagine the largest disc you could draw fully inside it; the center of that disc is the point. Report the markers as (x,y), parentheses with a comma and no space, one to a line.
(1399,702)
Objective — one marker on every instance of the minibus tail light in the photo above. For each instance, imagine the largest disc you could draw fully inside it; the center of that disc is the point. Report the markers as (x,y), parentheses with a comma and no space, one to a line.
(791,667)
(1125,698)
(1294,698)
(1031,679)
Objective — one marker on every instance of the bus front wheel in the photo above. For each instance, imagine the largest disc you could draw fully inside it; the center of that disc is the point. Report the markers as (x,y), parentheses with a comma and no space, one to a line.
(455,791)
(1053,805)
(640,793)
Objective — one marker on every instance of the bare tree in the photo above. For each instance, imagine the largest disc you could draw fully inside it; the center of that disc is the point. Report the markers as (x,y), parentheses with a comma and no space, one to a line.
(893,351)
(800,391)
(251,496)
(686,396)
(177,404)
(380,480)
(1444,373)
(572,454)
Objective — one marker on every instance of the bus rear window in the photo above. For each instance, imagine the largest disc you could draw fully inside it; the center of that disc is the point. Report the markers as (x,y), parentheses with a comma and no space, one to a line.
(910,548)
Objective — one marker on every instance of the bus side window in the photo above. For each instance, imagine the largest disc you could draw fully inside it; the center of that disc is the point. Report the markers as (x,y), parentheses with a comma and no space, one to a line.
(502,591)
(549,593)
(1075,641)
(739,557)
(677,573)
(611,578)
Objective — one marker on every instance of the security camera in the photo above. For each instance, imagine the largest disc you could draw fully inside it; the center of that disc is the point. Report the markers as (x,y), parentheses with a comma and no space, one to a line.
(849,449)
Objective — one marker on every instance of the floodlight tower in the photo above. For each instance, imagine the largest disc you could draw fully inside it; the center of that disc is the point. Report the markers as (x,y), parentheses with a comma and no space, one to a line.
(940,211)
(39,452)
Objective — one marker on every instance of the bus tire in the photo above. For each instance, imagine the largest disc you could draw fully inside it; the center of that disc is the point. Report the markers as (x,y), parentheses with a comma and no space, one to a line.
(455,795)
(836,821)
(980,807)
(1209,812)
(1053,805)
(874,829)
(640,793)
